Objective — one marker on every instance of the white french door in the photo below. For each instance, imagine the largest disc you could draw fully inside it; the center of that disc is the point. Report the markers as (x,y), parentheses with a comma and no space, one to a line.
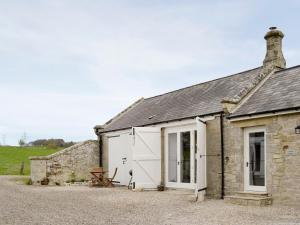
(180,151)
(255,159)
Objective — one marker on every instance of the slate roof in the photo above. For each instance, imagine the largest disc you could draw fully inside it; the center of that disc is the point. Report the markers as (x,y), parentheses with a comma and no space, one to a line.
(197,100)
(280,92)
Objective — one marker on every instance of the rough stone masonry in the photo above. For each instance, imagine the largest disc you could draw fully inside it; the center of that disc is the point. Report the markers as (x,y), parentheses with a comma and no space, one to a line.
(73,163)
(283,157)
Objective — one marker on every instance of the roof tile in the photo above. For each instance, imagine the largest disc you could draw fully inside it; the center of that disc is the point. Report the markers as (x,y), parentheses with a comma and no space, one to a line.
(201,99)
(281,91)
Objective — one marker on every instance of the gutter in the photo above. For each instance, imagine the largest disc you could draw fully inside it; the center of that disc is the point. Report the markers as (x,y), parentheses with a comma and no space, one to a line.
(159,122)
(264,114)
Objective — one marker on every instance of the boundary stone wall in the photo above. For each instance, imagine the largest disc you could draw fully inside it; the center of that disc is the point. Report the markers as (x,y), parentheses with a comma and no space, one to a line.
(73,163)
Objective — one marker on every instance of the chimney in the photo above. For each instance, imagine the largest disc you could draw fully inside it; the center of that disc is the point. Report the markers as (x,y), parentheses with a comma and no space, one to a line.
(274,58)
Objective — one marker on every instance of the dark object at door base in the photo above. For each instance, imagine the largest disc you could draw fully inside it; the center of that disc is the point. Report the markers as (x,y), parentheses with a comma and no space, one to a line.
(160,188)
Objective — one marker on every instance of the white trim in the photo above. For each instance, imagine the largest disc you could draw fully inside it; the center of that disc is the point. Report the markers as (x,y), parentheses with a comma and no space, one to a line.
(180,185)
(192,157)
(114,133)
(181,128)
(249,117)
(183,122)
(247,186)
(201,158)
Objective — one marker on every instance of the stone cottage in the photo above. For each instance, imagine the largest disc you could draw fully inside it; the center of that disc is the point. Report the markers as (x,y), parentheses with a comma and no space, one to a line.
(235,137)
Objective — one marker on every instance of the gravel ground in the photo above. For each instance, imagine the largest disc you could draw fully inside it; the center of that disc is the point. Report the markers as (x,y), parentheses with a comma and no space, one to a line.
(22,204)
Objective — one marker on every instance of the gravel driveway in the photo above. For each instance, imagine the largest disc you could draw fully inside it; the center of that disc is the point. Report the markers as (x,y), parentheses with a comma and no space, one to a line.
(21,204)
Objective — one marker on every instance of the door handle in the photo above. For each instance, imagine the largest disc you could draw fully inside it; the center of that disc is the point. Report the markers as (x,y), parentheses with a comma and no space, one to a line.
(247,164)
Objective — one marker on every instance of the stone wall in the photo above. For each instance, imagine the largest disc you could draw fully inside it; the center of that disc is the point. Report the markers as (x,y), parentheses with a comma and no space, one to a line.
(233,154)
(283,157)
(73,163)
(213,159)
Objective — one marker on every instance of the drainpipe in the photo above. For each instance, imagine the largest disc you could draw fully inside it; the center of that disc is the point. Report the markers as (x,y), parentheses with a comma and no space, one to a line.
(100,151)
(222,156)
(96,129)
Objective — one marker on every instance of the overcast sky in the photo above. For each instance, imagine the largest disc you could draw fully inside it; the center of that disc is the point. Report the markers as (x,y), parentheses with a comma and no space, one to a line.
(66,66)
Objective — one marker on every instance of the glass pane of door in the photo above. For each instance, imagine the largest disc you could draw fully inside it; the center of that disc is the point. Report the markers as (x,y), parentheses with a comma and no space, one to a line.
(257,159)
(172,157)
(185,157)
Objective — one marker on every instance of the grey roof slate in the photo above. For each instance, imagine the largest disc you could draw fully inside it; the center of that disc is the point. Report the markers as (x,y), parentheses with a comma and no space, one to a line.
(280,92)
(197,100)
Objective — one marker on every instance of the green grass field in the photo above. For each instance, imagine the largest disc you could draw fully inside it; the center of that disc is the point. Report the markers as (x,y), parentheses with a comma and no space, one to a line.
(11,158)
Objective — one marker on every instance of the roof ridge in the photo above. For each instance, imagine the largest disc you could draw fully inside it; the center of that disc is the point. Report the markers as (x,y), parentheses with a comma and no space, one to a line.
(121,113)
(285,69)
(260,83)
(257,108)
(180,89)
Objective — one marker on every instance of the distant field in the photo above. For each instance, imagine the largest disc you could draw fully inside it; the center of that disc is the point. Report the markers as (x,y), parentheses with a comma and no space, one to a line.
(12,157)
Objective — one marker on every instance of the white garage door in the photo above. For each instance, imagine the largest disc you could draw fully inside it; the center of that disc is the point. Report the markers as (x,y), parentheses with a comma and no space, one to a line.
(120,156)
(146,161)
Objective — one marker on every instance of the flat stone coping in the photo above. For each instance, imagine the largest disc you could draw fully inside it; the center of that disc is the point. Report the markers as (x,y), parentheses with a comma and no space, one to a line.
(48,157)
(39,158)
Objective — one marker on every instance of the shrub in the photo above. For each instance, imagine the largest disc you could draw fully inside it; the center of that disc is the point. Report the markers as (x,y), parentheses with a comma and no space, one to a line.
(45,181)
(29,182)
(72,177)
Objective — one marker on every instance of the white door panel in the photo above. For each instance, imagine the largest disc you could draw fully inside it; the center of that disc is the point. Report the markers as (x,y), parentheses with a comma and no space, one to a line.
(146,157)
(180,145)
(255,159)
(201,154)
(120,157)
